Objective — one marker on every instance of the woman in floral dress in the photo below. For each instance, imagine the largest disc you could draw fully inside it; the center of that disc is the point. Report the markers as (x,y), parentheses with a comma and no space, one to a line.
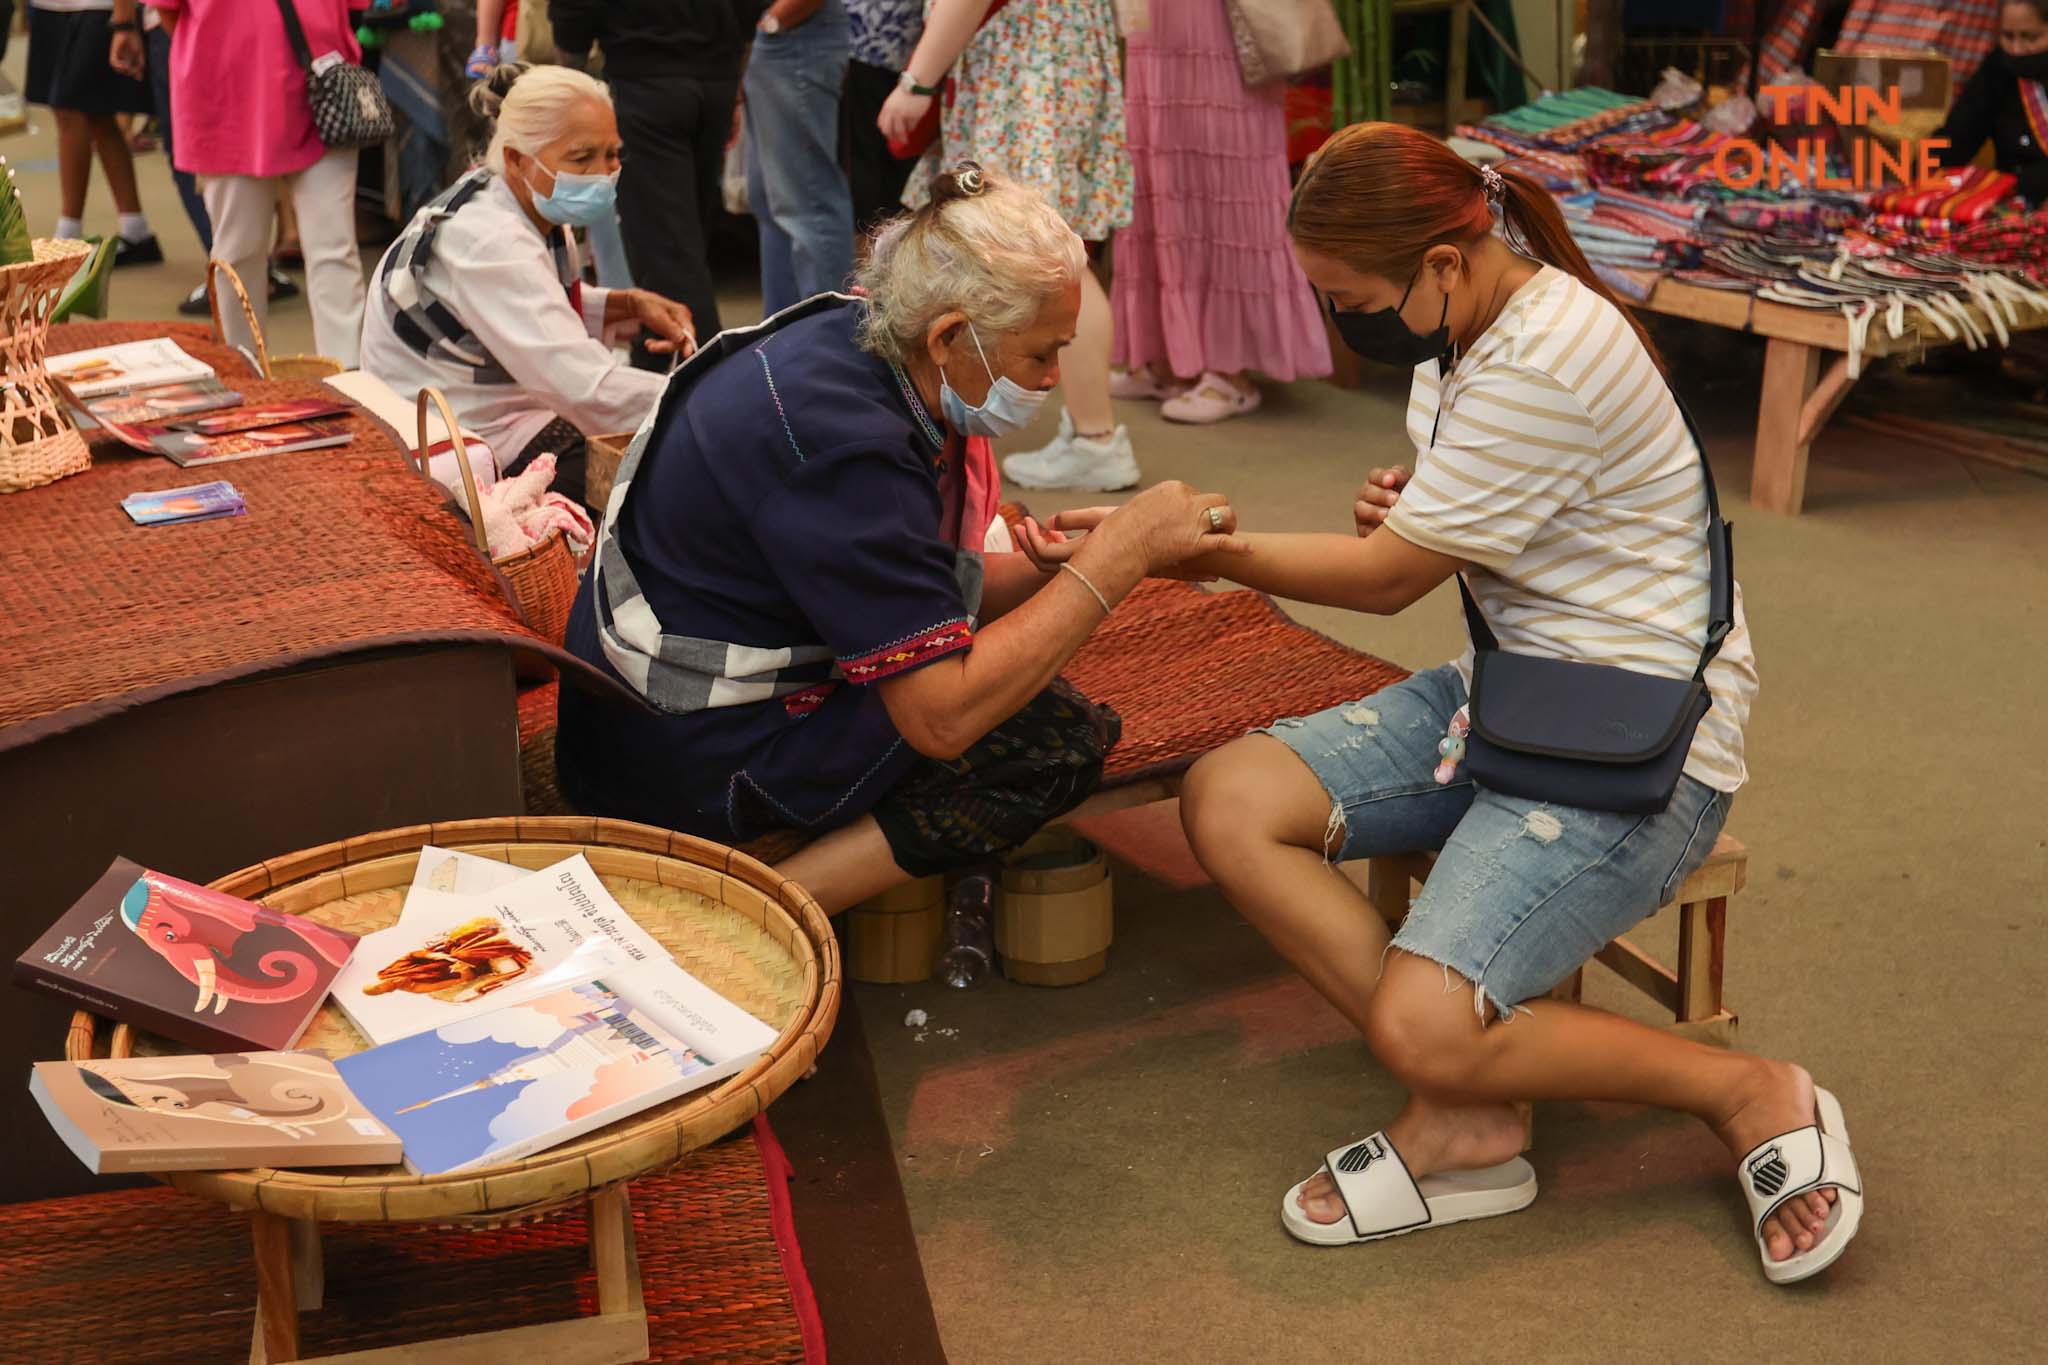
(1037,97)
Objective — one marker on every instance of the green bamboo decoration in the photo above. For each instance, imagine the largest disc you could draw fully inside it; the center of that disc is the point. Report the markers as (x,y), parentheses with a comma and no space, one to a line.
(15,244)
(1360,84)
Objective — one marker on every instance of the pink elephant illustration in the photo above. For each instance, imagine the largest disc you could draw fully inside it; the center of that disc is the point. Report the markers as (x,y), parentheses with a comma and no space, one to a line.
(195,930)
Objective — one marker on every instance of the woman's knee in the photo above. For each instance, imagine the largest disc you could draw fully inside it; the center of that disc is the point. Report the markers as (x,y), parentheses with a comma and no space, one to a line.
(1236,797)
(1427,1036)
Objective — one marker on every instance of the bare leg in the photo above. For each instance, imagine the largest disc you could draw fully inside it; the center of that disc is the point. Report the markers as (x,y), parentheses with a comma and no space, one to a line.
(1435,1043)
(74,160)
(1259,822)
(117,161)
(845,867)
(1084,366)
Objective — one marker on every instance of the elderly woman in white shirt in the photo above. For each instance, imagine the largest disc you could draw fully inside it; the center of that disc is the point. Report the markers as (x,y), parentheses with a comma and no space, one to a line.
(482,296)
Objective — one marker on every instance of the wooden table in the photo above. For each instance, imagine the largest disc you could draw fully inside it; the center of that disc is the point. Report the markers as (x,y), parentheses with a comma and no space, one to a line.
(1798,398)
(196,697)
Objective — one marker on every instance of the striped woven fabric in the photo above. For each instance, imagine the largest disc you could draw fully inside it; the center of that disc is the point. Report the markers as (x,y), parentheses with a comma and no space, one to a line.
(1961,30)
(1967,194)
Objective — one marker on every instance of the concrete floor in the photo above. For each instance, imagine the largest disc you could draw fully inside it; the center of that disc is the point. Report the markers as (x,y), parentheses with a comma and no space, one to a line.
(1093,1172)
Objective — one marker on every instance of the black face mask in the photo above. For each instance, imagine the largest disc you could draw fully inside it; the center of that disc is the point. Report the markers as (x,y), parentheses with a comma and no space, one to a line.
(2032,67)
(1382,336)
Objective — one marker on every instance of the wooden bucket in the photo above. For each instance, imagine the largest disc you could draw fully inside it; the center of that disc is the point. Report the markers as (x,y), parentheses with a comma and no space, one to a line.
(38,443)
(543,578)
(737,925)
(895,937)
(1053,913)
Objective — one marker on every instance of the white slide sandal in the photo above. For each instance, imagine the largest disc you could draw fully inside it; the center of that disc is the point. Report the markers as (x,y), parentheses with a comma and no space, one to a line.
(1383,1200)
(1815,1157)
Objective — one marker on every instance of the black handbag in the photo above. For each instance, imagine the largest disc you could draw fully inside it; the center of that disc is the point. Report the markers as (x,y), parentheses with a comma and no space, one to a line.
(1594,735)
(349,108)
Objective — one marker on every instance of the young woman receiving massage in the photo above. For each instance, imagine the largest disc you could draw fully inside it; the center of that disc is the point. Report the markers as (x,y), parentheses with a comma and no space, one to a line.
(1556,472)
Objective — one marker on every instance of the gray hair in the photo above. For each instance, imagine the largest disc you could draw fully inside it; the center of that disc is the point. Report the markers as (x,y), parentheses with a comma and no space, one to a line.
(531,106)
(984,246)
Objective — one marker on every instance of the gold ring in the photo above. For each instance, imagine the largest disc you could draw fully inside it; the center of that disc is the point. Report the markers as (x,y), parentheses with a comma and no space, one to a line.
(1215,518)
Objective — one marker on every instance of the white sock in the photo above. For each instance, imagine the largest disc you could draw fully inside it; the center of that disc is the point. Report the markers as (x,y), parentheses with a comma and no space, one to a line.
(135,227)
(68,228)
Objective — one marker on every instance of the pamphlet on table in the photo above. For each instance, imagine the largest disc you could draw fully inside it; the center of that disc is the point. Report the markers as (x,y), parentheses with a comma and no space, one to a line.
(129,365)
(196,502)
(190,449)
(224,1112)
(197,966)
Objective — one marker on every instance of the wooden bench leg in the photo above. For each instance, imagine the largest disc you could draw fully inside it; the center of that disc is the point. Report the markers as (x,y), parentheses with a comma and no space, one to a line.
(276,1337)
(1777,483)
(1702,953)
(309,1271)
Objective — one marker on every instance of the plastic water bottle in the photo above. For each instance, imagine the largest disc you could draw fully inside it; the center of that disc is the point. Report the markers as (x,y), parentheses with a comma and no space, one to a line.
(970,931)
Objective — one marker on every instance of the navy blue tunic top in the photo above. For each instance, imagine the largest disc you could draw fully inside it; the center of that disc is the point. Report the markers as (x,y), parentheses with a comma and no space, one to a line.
(790,497)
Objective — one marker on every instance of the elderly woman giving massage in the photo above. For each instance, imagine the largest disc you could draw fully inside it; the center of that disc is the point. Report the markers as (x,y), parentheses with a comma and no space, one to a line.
(1572,768)
(792,570)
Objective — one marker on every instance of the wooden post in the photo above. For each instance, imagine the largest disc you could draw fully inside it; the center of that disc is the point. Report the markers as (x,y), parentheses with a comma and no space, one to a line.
(609,1214)
(309,1275)
(1702,950)
(1778,481)
(1456,62)
(277,1309)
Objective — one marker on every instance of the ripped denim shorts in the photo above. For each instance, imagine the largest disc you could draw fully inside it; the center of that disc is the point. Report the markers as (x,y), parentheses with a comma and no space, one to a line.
(1523,892)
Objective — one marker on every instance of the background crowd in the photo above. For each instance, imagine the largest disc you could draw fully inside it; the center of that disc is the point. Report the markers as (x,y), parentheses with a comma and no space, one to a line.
(820,117)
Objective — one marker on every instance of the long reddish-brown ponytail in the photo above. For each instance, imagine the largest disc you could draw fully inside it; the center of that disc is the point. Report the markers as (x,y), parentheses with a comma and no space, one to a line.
(1379,195)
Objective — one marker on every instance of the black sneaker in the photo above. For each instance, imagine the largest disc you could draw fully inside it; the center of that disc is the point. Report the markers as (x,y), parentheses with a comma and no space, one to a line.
(144,252)
(282,286)
(195,305)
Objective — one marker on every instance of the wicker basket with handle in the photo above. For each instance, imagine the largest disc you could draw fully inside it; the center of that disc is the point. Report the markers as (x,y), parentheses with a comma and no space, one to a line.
(267,365)
(543,578)
(38,443)
(736,924)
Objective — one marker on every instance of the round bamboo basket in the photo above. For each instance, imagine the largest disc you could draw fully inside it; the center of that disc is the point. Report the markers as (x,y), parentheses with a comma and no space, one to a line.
(38,443)
(1054,916)
(543,577)
(216,271)
(734,923)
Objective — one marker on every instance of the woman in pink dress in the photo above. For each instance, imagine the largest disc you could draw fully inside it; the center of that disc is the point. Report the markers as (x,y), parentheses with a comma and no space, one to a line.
(1206,289)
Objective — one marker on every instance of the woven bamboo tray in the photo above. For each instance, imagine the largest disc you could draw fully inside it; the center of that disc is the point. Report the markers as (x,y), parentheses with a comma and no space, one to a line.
(736,924)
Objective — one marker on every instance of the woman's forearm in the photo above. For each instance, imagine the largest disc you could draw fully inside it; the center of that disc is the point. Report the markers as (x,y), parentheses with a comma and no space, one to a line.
(1380,574)
(944,707)
(1008,580)
(947,31)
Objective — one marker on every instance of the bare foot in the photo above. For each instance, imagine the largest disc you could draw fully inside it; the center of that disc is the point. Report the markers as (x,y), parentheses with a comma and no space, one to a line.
(1777,1099)
(1431,1138)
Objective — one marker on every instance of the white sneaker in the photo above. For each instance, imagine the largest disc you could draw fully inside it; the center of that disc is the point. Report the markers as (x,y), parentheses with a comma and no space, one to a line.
(1101,465)
(1212,399)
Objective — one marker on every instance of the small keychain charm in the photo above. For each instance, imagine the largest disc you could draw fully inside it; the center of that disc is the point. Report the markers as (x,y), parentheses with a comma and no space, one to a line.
(1451,748)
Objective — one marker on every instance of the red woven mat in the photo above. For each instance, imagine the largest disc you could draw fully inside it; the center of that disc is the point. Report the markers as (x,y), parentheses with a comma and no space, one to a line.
(342,550)
(159,1276)
(1187,669)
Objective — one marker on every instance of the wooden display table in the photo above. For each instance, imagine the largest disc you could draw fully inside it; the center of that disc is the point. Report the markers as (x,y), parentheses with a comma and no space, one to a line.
(1797,397)
(740,927)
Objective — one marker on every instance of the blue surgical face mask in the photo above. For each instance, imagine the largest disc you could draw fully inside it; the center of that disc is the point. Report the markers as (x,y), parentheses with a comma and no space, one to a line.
(1009,406)
(576,200)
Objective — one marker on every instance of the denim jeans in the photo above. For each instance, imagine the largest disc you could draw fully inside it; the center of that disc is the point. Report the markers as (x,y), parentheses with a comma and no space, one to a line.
(795,184)
(1523,891)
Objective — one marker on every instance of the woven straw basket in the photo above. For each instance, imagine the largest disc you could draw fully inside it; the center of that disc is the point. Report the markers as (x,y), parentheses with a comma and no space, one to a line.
(267,365)
(543,578)
(38,443)
(737,925)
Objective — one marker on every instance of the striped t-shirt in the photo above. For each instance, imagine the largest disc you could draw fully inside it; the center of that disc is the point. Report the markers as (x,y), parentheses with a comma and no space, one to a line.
(1562,473)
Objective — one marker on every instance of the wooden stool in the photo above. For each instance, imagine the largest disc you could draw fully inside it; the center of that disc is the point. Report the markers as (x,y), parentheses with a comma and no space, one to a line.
(1692,991)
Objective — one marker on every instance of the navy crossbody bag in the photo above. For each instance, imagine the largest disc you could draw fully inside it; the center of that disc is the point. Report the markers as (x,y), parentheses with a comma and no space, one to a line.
(1594,735)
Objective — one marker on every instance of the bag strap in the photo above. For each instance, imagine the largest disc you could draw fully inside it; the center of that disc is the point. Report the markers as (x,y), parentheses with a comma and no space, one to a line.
(1720,567)
(297,34)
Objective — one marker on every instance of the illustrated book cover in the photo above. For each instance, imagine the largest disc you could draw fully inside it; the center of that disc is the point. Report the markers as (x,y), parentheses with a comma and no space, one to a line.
(197,502)
(209,970)
(129,365)
(259,415)
(451,956)
(516,1080)
(220,1113)
(190,449)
